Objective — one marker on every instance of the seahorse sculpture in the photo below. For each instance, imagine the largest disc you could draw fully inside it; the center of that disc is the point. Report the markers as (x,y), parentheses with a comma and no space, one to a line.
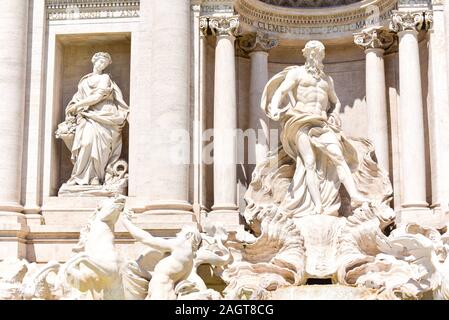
(95,266)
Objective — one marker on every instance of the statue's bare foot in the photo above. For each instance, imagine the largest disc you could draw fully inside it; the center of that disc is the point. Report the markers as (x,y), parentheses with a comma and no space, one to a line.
(95,181)
(71,182)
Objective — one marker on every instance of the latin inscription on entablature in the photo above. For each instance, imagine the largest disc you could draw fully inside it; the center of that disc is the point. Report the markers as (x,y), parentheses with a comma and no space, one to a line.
(216,9)
(95,9)
(322,30)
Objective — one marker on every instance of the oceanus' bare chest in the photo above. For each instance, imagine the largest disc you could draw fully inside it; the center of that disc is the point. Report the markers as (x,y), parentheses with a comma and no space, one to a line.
(307,80)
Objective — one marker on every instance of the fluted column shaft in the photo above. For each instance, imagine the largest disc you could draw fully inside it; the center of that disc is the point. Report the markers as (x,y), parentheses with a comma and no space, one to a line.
(258,120)
(225,115)
(13,65)
(374,41)
(412,156)
(376,101)
(257,46)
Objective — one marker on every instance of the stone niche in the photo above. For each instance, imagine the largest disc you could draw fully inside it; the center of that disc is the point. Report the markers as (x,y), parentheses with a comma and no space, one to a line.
(73,61)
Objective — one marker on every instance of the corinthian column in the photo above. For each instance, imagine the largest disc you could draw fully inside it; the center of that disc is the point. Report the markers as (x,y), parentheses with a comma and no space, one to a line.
(412,155)
(225,120)
(375,41)
(13,36)
(257,46)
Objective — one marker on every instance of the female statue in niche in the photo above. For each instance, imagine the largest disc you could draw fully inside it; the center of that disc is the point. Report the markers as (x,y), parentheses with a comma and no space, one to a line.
(92,131)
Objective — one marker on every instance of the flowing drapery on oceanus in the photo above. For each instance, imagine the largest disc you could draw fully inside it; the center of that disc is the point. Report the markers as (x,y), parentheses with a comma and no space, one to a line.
(303,98)
(92,131)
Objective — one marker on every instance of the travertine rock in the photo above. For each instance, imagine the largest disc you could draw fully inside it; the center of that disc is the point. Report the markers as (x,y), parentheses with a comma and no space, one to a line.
(323,292)
(38,283)
(12,273)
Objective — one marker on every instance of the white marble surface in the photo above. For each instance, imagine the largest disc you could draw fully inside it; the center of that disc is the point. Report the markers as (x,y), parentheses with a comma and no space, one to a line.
(437,113)
(411,110)
(13,60)
(225,118)
(168,111)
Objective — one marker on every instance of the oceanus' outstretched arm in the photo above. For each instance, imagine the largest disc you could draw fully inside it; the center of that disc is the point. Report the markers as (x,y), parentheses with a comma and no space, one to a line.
(145,237)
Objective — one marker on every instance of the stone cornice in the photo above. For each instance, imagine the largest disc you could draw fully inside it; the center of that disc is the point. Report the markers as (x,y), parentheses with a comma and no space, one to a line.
(410,21)
(224,26)
(374,38)
(257,41)
(94,9)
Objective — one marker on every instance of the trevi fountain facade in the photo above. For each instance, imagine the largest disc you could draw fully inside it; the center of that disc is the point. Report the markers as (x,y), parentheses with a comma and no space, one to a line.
(239,149)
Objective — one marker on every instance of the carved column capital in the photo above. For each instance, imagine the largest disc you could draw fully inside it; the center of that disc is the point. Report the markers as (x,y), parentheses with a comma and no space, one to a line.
(203,24)
(410,21)
(428,19)
(374,38)
(257,41)
(224,26)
